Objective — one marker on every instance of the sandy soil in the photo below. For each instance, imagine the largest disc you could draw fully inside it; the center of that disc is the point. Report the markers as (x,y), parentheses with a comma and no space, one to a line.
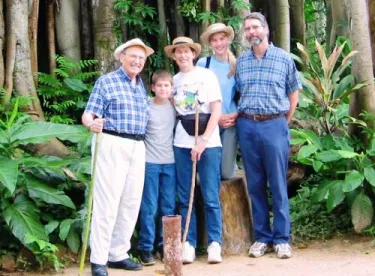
(341,256)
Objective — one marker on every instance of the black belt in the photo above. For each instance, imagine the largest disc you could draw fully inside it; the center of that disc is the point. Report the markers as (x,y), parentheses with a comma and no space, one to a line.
(136,137)
(256,117)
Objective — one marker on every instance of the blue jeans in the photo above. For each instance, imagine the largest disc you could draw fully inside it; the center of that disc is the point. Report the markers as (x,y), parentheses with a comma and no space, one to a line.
(208,168)
(159,194)
(228,138)
(265,149)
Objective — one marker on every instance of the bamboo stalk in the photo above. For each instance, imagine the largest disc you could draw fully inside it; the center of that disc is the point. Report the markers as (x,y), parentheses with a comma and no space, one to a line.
(89,208)
(193,174)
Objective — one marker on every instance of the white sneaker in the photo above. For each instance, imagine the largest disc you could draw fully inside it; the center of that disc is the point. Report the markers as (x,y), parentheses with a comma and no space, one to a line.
(283,251)
(214,253)
(188,254)
(258,249)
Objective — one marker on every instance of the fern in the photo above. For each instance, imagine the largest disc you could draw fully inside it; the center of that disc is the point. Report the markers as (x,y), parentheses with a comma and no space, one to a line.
(65,93)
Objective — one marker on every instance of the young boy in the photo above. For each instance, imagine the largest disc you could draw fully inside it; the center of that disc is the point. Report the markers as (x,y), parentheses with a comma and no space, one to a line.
(159,192)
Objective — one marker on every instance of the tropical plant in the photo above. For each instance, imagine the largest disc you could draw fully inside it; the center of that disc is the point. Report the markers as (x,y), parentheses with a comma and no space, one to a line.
(343,161)
(326,86)
(347,168)
(65,93)
(33,189)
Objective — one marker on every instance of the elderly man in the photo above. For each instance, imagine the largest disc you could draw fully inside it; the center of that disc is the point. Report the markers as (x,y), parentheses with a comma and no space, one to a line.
(267,79)
(118,107)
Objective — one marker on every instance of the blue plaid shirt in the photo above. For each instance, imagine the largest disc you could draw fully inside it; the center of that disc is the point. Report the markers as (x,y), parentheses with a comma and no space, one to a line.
(123,105)
(265,84)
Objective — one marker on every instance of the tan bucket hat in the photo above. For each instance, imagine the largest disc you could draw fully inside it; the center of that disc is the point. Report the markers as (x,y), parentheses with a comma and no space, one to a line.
(130,43)
(182,41)
(217,28)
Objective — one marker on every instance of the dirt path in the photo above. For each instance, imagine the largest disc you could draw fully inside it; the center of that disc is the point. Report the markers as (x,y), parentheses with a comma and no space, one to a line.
(346,256)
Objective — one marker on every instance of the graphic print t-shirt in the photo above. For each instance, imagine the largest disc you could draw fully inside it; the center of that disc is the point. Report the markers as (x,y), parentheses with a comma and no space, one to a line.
(199,86)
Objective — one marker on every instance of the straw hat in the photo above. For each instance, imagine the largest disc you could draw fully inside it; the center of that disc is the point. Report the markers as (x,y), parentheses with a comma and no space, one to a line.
(182,41)
(217,28)
(130,43)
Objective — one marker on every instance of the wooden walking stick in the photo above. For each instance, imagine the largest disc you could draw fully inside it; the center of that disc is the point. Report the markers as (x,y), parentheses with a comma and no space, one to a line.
(89,207)
(193,173)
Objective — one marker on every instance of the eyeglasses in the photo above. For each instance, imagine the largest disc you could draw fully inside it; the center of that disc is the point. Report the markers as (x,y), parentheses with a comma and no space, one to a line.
(135,57)
(253,27)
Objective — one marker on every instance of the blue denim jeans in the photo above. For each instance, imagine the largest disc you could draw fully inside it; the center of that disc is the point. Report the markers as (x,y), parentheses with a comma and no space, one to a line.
(265,150)
(228,138)
(159,195)
(208,168)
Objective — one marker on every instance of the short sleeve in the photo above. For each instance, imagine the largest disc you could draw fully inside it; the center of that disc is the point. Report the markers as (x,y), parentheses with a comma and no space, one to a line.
(293,79)
(213,87)
(202,62)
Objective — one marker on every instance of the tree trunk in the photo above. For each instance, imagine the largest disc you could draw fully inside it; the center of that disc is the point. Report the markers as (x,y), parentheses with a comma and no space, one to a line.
(105,40)
(371,4)
(2,39)
(67,29)
(240,33)
(340,21)
(51,36)
(282,25)
(87,36)
(17,27)
(297,19)
(206,7)
(33,36)
(364,99)
(163,33)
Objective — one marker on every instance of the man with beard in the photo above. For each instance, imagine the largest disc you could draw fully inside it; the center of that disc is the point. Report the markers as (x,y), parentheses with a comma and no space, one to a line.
(268,82)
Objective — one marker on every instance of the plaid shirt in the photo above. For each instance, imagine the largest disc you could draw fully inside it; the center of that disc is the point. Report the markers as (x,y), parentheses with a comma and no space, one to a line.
(266,83)
(123,105)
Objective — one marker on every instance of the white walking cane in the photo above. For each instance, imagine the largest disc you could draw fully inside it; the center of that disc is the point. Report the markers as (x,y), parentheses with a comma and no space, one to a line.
(193,173)
(89,207)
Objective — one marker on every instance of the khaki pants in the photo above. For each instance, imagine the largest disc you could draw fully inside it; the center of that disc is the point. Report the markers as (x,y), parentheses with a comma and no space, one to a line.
(118,187)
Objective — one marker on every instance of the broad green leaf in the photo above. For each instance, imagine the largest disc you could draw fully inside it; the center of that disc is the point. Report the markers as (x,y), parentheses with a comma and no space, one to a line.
(352,181)
(9,173)
(73,240)
(65,226)
(334,155)
(370,175)
(317,165)
(51,226)
(38,132)
(306,151)
(362,212)
(335,196)
(38,189)
(323,189)
(22,217)
(343,85)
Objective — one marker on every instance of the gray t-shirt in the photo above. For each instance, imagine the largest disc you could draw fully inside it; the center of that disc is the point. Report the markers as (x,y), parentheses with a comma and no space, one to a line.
(159,133)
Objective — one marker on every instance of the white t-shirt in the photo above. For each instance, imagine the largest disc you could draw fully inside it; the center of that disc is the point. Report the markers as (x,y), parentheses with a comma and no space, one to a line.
(201,84)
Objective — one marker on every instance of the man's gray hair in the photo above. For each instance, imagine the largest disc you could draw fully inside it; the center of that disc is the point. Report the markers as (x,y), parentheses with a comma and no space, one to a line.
(259,16)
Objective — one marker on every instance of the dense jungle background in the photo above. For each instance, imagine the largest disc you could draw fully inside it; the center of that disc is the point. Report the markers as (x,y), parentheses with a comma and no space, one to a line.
(51,52)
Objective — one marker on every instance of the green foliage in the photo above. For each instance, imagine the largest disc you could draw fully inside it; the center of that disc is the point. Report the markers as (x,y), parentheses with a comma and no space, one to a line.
(33,189)
(311,220)
(325,87)
(65,93)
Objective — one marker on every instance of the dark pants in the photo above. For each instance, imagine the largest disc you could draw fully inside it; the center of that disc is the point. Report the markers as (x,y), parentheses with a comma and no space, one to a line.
(208,168)
(159,195)
(265,149)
